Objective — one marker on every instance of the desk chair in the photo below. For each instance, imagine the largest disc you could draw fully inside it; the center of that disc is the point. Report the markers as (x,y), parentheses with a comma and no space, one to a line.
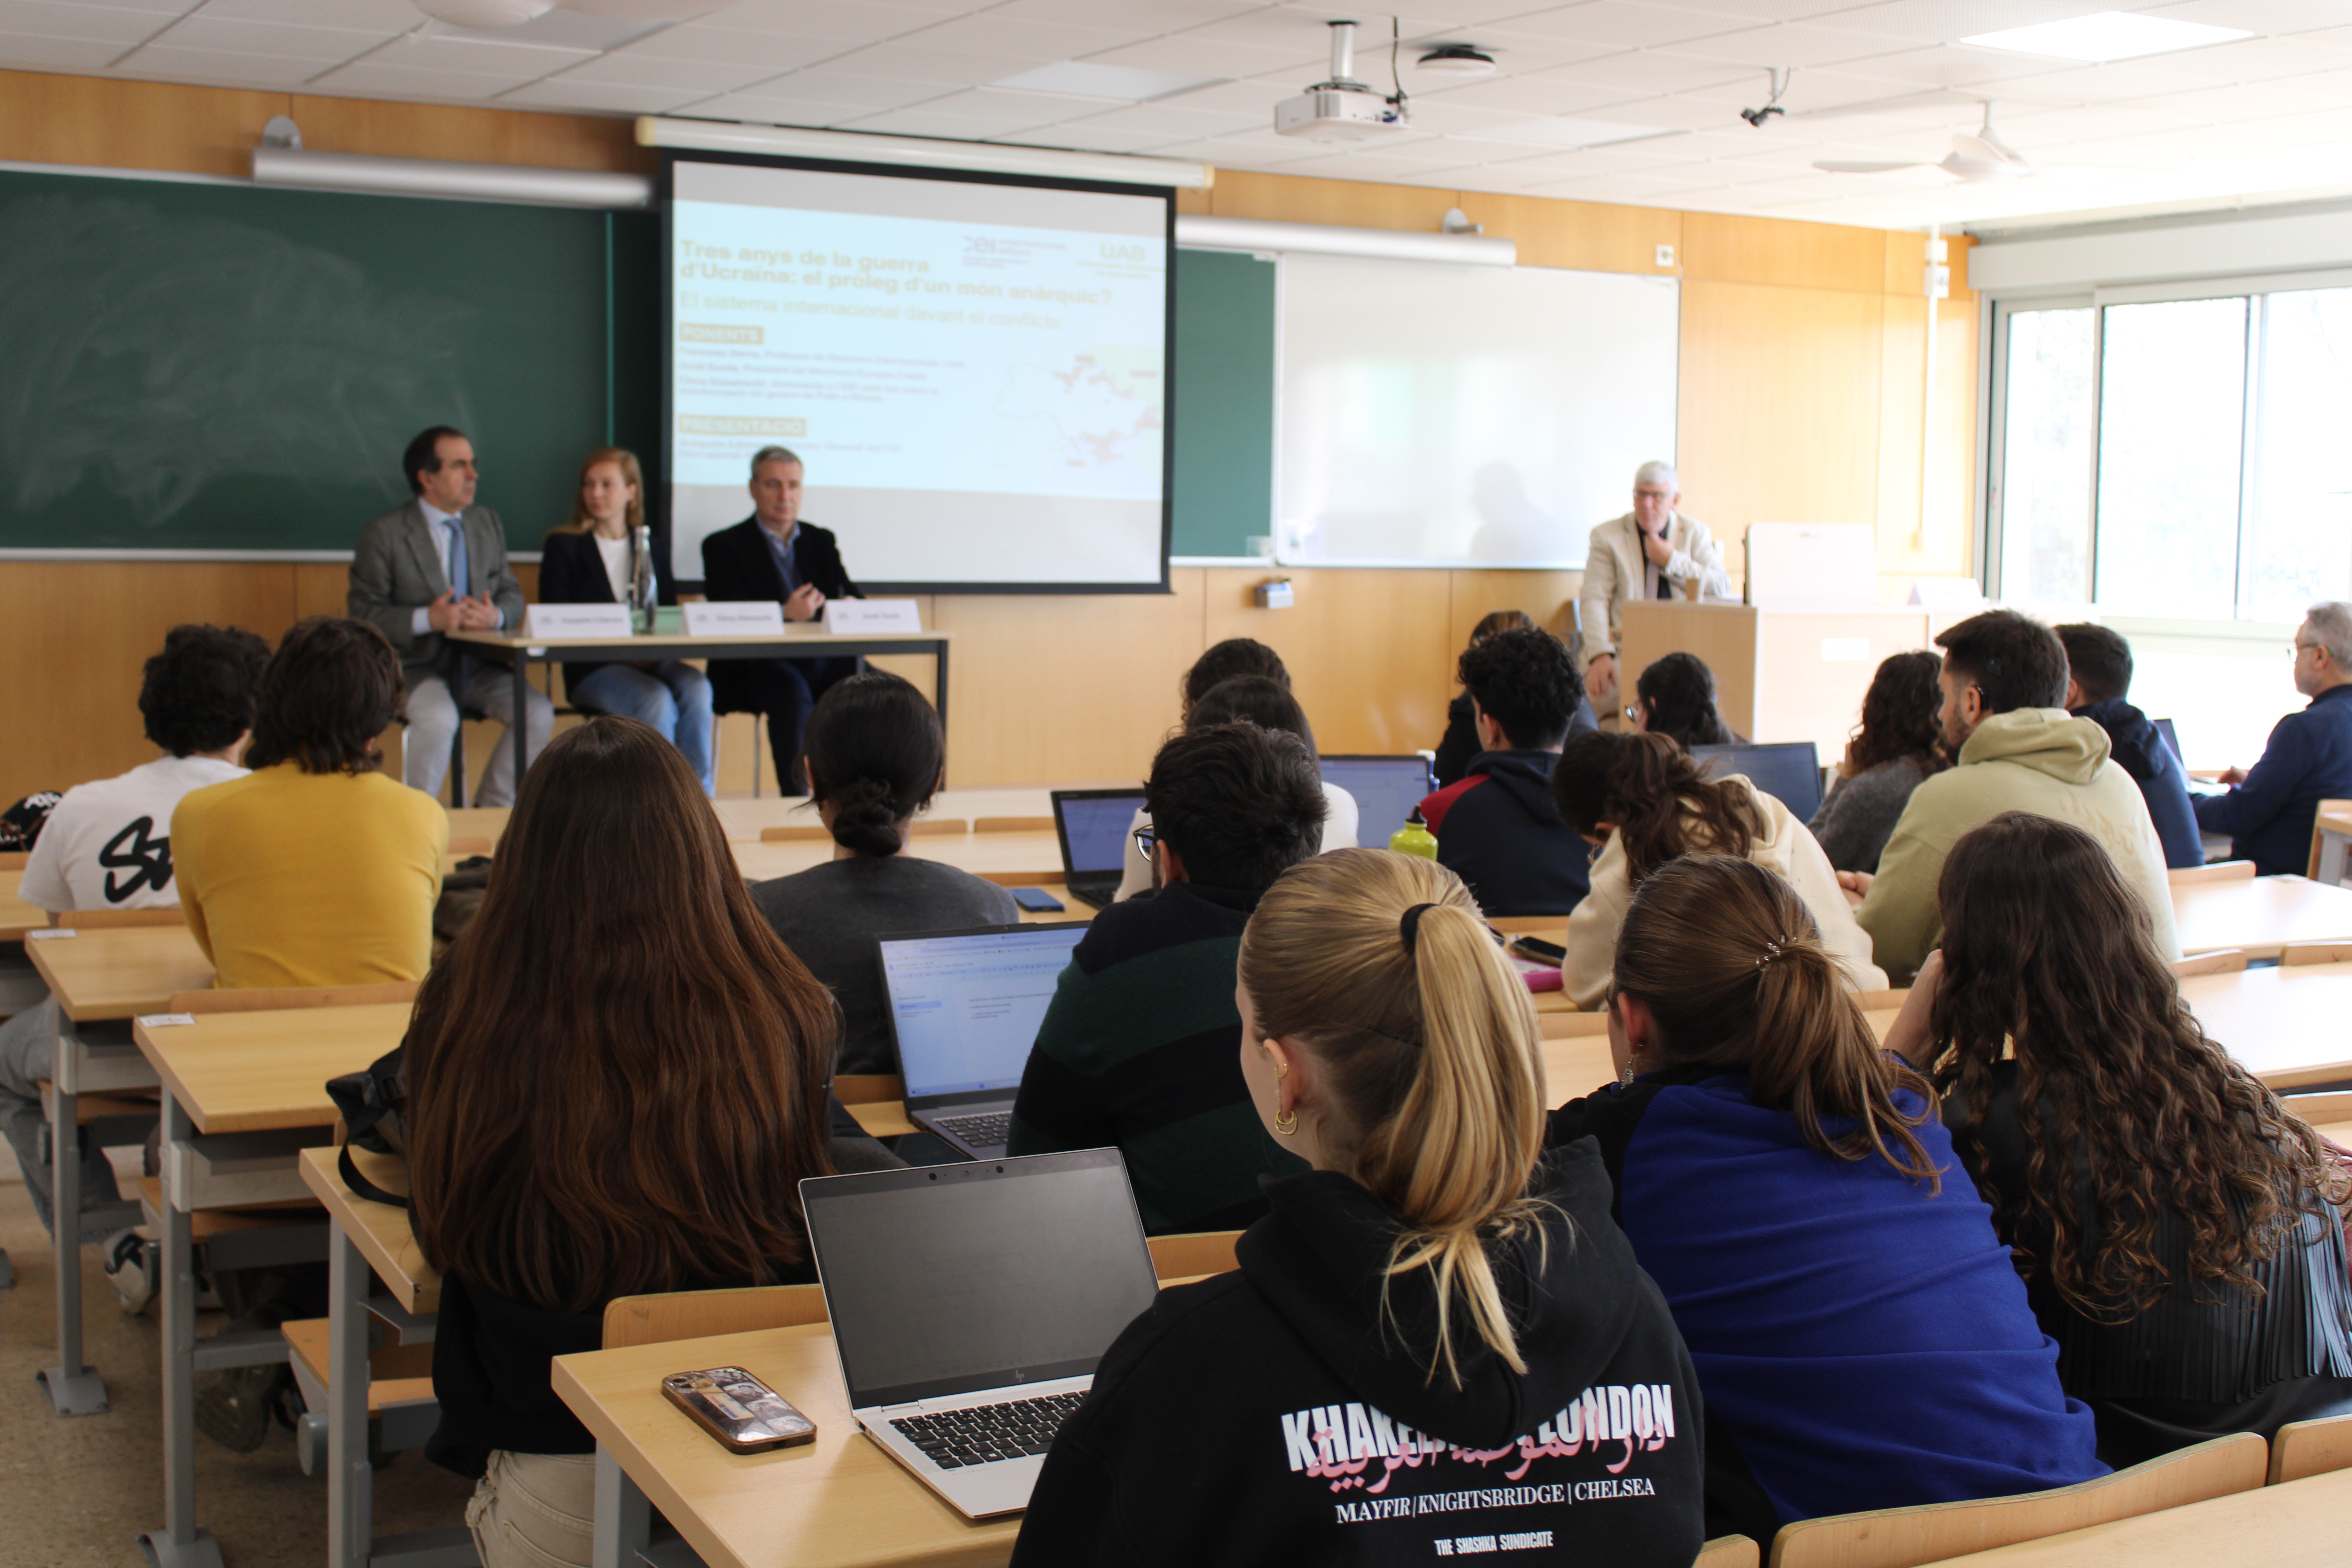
(1013,825)
(1728,1552)
(2318,837)
(2219,871)
(2301,953)
(2227,961)
(2311,1448)
(1906,1537)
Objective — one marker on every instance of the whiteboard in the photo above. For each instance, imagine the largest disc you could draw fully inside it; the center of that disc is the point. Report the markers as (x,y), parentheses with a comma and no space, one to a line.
(1435,414)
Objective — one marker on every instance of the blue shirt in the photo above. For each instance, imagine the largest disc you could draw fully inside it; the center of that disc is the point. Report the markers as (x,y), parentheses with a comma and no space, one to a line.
(2309,758)
(783,549)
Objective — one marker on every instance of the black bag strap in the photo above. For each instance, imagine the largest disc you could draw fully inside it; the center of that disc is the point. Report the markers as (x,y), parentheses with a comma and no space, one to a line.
(361,1184)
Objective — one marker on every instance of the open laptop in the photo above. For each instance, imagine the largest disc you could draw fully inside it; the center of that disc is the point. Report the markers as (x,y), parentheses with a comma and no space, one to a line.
(1787,771)
(965,1008)
(1386,789)
(1093,825)
(971,1304)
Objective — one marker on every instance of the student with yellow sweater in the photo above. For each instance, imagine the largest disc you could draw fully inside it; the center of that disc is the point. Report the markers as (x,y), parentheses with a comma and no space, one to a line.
(314,868)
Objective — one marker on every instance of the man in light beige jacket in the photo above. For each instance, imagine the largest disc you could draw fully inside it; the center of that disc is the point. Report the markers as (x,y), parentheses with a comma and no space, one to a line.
(1653,553)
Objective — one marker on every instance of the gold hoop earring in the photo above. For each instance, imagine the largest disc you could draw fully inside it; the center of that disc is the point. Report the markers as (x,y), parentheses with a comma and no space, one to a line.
(1286,1123)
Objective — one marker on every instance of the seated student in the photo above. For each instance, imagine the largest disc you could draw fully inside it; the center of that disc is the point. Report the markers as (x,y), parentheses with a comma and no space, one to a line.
(2016,749)
(1136,1047)
(2270,812)
(107,846)
(1862,1340)
(2098,680)
(1437,1332)
(1675,697)
(1645,802)
(1460,743)
(875,755)
(1497,829)
(592,560)
(1892,749)
(2184,1256)
(641,1127)
(314,868)
(1259,690)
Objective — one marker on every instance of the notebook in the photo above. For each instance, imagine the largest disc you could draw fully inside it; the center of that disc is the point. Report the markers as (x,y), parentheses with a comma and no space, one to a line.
(965,1008)
(971,1304)
(1093,825)
(1386,789)
(1787,771)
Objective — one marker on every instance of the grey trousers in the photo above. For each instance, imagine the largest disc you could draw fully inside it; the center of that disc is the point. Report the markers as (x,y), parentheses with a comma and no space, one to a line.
(26,1047)
(432,724)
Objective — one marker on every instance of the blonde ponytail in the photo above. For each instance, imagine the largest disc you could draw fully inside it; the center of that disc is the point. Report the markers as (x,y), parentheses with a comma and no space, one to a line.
(1382,966)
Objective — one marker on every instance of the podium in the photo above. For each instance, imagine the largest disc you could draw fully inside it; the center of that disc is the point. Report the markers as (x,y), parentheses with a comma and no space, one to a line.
(1780,675)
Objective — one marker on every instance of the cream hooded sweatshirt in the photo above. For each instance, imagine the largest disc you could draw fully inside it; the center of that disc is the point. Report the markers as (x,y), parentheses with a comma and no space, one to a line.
(1788,848)
(2029,758)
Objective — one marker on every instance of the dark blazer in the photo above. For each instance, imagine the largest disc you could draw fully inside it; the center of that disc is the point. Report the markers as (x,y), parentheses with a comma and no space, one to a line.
(572,571)
(397,571)
(737,563)
(2309,760)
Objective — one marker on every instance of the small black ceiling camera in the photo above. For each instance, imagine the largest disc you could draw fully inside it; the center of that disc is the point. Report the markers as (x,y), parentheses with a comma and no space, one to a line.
(1756,117)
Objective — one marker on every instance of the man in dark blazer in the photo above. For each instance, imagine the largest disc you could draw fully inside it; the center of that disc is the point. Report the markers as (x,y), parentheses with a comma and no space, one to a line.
(436,566)
(773,554)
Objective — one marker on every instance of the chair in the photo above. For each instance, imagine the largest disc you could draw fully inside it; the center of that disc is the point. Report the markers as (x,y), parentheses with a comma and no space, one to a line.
(2219,871)
(2304,1448)
(2227,961)
(1728,1552)
(116,919)
(2319,837)
(1181,1257)
(1906,1537)
(2299,952)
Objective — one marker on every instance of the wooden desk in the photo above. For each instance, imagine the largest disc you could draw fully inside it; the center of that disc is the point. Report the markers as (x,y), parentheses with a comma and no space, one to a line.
(1780,675)
(118,973)
(2332,828)
(1025,858)
(745,818)
(17,916)
(2297,1524)
(2284,1026)
(242,1092)
(2260,914)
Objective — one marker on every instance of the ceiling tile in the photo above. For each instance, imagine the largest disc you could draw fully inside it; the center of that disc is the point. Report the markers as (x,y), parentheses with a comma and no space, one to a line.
(597,97)
(996,35)
(386,74)
(384,18)
(727,46)
(909,61)
(1619,22)
(1763,48)
(1939,21)
(214,66)
(862,23)
(1008,110)
(1089,138)
(1524,95)
(2257,16)
(1189,55)
(837,89)
(19,52)
(1145,18)
(106,24)
(1644,73)
(332,44)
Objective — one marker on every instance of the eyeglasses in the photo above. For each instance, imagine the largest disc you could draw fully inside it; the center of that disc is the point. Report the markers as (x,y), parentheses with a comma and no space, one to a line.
(1146,838)
(1633,713)
(2300,648)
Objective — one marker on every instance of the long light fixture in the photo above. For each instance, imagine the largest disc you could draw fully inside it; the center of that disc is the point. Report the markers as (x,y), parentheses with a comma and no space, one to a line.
(1266,236)
(282,166)
(854,147)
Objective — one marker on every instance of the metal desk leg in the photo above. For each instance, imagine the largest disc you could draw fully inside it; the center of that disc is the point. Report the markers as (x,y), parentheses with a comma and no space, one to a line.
(624,1516)
(180,1544)
(351,1480)
(74,1387)
(522,720)
(940,690)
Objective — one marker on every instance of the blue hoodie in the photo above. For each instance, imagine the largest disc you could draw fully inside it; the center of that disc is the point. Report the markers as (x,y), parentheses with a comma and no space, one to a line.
(2139,749)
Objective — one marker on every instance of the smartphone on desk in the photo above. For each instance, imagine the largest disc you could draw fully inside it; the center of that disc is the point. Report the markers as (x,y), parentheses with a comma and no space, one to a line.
(1542,952)
(1037,900)
(745,1414)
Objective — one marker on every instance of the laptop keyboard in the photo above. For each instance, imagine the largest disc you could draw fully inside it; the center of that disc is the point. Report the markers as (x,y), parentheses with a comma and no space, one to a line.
(986,1130)
(985,1433)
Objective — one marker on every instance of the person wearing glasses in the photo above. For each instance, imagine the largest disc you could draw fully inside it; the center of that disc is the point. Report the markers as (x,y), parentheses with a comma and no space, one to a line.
(1140,1047)
(2269,812)
(1652,552)
(2016,748)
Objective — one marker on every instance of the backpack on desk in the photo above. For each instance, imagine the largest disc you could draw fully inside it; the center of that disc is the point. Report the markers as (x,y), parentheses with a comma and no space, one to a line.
(371,1104)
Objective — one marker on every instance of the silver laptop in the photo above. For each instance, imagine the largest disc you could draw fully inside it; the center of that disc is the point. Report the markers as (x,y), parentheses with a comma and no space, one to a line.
(970,1303)
(1386,789)
(964,1007)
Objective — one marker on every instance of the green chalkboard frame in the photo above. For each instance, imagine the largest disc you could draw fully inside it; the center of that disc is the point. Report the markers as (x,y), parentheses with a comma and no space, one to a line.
(1221,479)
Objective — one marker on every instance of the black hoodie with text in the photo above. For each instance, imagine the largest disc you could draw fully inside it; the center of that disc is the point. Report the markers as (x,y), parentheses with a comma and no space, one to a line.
(1274,1415)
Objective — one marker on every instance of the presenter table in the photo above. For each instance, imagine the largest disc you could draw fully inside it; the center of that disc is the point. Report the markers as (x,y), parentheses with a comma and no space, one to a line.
(808,641)
(101,979)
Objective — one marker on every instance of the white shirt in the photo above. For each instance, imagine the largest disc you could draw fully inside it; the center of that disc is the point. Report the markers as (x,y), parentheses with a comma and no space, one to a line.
(615,553)
(107,845)
(438,523)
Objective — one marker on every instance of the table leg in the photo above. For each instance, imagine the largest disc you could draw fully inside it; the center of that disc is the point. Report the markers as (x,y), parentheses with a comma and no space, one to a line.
(939,694)
(624,1516)
(2332,846)
(73,1386)
(521,736)
(351,1480)
(180,1544)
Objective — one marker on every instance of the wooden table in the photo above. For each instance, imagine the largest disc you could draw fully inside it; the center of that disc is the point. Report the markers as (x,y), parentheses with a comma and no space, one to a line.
(100,980)
(17,916)
(744,819)
(2285,1026)
(2333,828)
(2296,1524)
(2260,914)
(243,1092)
(1024,858)
(804,641)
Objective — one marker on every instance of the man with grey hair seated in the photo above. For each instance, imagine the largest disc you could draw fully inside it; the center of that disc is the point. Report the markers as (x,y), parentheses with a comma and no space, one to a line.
(2269,814)
(1653,553)
(773,554)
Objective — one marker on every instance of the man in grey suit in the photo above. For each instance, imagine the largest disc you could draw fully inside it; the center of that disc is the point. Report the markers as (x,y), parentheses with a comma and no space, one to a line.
(436,565)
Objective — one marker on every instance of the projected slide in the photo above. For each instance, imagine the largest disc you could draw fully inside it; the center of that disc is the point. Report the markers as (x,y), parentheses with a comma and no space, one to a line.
(975,375)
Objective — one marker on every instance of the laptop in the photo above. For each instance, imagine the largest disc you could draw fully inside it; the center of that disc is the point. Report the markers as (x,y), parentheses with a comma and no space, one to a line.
(1787,771)
(1386,789)
(2172,739)
(971,1304)
(1093,825)
(965,1008)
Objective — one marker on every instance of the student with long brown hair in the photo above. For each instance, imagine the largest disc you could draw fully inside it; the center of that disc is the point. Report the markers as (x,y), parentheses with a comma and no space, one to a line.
(2166,1211)
(1893,748)
(1436,1332)
(1643,799)
(1861,1339)
(616,1081)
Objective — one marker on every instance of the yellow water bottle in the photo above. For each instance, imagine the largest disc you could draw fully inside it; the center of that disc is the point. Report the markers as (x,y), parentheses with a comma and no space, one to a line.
(1414,838)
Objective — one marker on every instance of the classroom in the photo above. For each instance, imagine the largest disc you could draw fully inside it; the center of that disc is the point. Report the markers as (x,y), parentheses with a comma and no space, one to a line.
(1060,781)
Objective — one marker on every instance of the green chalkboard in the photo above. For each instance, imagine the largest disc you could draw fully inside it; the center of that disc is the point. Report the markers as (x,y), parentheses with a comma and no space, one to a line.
(1223,359)
(220,367)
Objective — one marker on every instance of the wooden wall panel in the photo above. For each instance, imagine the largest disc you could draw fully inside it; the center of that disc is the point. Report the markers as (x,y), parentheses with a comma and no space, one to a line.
(1355,202)
(1368,652)
(1946,545)
(1549,597)
(1590,237)
(107,123)
(1773,250)
(471,135)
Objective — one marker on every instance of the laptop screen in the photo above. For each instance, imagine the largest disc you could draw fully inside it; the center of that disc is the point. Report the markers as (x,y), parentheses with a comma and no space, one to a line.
(1386,789)
(2172,739)
(1093,824)
(966,1005)
(947,1278)
(1789,771)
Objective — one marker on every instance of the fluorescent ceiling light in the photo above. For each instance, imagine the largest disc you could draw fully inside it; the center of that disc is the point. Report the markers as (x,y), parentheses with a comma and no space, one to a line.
(1559,131)
(1123,84)
(2108,35)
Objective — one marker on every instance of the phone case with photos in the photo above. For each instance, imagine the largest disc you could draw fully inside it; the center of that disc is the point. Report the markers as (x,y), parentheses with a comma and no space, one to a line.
(745,1414)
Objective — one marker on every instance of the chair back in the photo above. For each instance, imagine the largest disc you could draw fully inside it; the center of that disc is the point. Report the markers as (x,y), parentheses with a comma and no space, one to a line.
(1013,825)
(2324,808)
(2219,871)
(273,999)
(2228,961)
(1907,1537)
(866,1088)
(2298,953)
(115,919)
(698,1314)
(1193,1253)
(1728,1552)
(2320,1109)
(2304,1448)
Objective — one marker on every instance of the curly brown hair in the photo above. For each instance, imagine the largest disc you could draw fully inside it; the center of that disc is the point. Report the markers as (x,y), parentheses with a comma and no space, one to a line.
(1898,716)
(1662,805)
(2045,946)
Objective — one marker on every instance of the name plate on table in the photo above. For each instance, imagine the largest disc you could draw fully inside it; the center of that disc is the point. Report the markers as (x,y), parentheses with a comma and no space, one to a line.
(749,616)
(576,621)
(850,616)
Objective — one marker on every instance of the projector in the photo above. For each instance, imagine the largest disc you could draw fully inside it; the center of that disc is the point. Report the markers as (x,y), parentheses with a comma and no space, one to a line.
(1342,108)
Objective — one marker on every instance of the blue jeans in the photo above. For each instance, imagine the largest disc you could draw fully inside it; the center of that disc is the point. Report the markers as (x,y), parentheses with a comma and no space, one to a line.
(672,699)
